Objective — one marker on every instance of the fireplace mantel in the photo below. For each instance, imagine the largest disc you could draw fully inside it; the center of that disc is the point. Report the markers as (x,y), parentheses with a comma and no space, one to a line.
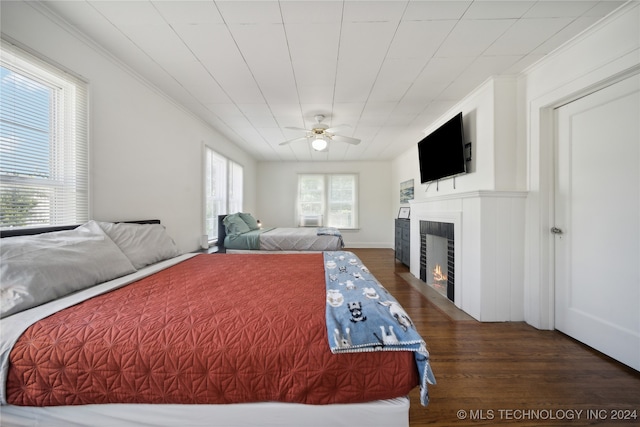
(489,247)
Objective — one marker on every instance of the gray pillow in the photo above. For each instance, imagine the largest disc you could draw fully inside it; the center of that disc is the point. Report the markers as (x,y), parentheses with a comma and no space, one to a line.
(143,244)
(43,267)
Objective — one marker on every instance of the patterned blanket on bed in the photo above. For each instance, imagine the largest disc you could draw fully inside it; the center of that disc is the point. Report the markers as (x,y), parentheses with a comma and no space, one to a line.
(331,231)
(362,316)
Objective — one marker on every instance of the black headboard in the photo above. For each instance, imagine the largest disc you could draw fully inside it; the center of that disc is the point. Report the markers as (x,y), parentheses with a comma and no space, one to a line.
(39,230)
(222,233)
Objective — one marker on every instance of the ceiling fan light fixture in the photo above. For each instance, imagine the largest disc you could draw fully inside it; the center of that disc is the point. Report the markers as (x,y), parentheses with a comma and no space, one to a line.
(319,143)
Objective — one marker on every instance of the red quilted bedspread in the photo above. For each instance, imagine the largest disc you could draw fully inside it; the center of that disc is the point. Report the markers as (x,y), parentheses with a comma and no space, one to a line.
(212,329)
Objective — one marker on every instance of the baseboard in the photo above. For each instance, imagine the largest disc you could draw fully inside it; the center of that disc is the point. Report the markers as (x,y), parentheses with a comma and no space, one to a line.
(366,245)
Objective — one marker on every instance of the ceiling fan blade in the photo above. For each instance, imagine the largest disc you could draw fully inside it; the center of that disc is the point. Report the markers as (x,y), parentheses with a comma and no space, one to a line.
(296,128)
(304,138)
(347,139)
(334,129)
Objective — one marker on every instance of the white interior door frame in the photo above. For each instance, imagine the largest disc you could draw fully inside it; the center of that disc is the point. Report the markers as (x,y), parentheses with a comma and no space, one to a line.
(540,246)
(597,228)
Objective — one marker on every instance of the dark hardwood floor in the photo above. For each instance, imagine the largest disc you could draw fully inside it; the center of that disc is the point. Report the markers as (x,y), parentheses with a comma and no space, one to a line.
(508,373)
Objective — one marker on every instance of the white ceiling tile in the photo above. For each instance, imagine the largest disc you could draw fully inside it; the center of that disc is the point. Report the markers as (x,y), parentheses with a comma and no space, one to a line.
(565,34)
(471,38)
(403,115)
(497,9)
(525,35)
(418,10)
(522,64)
(470,80)
(129,13)
(210,43)
(309,12)
(207,91)
(346,113)
(489,66)
(365,43)
(249,12)
(159,41)
(559,9)
(225,111)
(272,135)
(377,113)
(395,78)
(268,60)
(435,77)
(287,114)
(373,11)
(362,52)
(259,115)
(603,8)
(419,39)
(320,94)
(188,12)
(314,59)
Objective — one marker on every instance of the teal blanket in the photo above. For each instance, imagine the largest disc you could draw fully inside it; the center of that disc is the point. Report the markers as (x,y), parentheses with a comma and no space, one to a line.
(363,316)
(249,240)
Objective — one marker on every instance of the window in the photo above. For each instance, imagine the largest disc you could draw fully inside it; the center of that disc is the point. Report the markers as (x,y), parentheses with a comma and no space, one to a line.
(223,190)
(328,200)
(43,143)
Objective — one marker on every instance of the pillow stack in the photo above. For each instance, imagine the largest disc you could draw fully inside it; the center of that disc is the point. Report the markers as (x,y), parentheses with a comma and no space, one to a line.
(239,223)
(40,268)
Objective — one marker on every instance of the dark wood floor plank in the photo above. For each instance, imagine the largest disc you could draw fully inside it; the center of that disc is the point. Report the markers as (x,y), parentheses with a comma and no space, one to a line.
(508,373)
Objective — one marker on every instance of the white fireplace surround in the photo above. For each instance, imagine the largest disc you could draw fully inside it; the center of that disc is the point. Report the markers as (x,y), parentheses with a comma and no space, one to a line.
(489,249)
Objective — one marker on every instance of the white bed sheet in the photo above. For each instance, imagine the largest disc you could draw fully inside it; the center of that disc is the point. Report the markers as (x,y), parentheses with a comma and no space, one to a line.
(381,413)
(298,239)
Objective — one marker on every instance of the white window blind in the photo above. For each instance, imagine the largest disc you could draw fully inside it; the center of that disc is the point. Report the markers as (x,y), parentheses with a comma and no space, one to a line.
(235,187)
(223,190)
(43,143)
(328,200)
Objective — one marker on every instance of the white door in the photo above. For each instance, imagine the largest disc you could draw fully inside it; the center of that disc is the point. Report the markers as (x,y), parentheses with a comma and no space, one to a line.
(597,220)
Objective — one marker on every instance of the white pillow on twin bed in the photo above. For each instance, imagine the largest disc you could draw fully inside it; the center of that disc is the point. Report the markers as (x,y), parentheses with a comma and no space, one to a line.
(43,267)
(143,244)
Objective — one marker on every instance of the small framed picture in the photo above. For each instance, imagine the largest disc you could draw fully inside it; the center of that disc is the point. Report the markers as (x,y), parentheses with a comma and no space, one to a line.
(404,212)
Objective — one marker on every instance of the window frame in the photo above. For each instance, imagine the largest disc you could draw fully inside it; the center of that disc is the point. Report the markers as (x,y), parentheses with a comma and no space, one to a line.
(327,200)
(59,192)
(233,171)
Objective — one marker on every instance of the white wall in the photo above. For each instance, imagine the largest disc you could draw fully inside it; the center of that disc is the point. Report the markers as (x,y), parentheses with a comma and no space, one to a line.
(490,124)
(277,186)
(146,151)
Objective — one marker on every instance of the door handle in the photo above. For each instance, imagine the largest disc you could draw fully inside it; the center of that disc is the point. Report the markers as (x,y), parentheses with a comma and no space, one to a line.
(556,230)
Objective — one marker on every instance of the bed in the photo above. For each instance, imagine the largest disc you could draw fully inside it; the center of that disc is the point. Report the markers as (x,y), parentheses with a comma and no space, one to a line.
(240,232)
(144,335)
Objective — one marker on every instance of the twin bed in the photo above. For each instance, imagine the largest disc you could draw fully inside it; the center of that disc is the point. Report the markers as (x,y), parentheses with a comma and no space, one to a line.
(107,324)
(240,232)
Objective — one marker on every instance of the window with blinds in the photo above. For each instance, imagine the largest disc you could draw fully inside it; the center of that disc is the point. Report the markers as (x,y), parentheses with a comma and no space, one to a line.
(43,143)
(223,190)
(328,200)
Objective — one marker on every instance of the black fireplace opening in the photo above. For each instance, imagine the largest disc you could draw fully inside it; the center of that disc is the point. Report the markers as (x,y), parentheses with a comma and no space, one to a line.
(437,256)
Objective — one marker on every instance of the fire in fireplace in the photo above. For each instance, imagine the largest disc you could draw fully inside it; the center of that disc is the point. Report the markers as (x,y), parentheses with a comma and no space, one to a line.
(437,256)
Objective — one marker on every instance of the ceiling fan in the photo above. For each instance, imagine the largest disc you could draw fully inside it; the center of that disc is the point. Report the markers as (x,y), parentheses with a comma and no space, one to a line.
(321,134)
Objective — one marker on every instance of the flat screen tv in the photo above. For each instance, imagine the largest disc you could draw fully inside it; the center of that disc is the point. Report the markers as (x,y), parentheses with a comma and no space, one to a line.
(441,153)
